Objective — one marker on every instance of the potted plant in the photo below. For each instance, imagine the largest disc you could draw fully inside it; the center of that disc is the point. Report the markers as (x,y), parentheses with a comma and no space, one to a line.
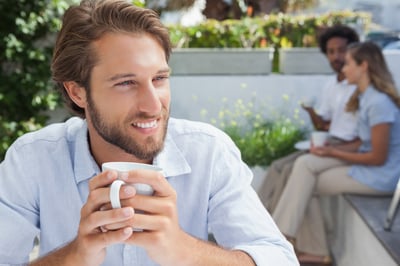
(220,48)
(256,45)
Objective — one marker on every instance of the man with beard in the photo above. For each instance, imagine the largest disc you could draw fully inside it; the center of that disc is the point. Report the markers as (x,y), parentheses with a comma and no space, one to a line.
(330,115)
(110,63)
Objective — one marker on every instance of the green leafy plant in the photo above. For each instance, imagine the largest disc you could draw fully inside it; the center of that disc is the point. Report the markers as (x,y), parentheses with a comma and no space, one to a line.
(27,35)
(260,139)
(275,30)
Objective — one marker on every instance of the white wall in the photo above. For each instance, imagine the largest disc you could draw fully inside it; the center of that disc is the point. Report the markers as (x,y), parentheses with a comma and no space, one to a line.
(192,95)
(392,58)
(272,93)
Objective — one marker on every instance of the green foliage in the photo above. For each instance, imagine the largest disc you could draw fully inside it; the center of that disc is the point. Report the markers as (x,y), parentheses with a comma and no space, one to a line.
(261,140)
(26,42)
(276,30)
(266,142)
(140,3)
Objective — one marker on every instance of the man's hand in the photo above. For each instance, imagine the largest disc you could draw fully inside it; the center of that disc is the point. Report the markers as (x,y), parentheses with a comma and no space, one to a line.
(89,247)
(163,239)
(318,122)
(307,108)
(157,215)
(92,240)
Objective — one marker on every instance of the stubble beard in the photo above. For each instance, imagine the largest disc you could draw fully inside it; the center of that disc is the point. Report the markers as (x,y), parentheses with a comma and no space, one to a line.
(337,66)
(113,134)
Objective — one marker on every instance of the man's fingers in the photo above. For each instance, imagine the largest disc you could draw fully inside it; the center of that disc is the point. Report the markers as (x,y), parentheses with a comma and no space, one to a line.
(98,191)
(103,179)
(151,204)
(111,237)
(155,179)
(98,219)
(96,199)
(142,221)
(100,198)
(151,222)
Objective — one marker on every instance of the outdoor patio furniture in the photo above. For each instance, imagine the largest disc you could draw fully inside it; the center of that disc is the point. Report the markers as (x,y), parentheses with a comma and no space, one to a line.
(393,208)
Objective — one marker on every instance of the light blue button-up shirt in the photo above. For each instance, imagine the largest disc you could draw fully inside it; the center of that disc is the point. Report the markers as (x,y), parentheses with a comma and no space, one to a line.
(44,184)
(377,108)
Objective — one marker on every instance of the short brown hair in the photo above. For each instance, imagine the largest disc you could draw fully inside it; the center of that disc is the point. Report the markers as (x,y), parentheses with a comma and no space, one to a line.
(74,58)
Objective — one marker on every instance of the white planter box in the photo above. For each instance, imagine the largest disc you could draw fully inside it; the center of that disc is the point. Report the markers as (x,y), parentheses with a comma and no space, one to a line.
(226,61)
(299,60)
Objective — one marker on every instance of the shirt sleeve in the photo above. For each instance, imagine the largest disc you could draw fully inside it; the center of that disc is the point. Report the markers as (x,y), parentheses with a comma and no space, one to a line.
(234,199)
(19,216)
(381,110)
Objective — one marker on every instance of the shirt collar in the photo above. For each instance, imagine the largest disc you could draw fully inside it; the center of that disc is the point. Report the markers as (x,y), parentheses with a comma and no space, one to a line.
(170,159)
(85,167)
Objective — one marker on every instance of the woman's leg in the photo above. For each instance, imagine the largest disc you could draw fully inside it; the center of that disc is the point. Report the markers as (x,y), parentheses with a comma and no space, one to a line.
(336,181)
(311,237)
(293,204)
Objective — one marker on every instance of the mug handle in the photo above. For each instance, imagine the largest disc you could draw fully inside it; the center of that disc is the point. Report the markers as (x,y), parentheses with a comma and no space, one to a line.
(114,193)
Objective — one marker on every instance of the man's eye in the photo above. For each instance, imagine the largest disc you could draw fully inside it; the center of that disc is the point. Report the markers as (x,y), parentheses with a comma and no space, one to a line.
(161,78)
(125,83)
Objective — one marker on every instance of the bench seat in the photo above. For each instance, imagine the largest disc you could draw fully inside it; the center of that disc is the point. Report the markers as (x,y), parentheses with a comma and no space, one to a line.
(355,226)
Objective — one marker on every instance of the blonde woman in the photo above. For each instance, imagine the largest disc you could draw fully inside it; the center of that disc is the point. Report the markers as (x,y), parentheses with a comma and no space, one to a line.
(367,166)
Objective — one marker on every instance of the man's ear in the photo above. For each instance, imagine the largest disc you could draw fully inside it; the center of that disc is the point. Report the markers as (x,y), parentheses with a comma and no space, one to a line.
(76,92)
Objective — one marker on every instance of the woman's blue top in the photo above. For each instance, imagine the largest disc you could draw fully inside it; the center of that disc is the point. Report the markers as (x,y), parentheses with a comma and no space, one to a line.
(377,108)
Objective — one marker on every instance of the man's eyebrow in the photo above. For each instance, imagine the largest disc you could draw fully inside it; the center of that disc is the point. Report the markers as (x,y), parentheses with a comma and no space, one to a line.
(164,70)
(130,75)
(121,76)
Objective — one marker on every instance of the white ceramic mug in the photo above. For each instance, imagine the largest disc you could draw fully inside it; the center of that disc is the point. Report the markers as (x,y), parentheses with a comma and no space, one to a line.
(120,167)
(319,138)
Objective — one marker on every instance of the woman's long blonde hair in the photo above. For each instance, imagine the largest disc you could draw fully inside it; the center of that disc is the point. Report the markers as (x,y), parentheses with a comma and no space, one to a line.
(378,72)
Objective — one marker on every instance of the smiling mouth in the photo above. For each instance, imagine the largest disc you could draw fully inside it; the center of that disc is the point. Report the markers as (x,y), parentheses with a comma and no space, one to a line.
(151,124)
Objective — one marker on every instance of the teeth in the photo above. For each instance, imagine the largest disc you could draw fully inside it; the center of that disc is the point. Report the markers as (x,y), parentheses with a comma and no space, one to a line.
(146,125)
